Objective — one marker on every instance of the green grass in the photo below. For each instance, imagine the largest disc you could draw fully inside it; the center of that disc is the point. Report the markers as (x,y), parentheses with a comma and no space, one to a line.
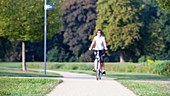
(137,76)
(14,82)
(26,86)
(143,84)
(14,72)
(26,74)
(10,64)
(147,88)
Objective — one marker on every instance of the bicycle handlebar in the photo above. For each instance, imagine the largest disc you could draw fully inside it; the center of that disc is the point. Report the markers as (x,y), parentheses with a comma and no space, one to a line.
(94,49)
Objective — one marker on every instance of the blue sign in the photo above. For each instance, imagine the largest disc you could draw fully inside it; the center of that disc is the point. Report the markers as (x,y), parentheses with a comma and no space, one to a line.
(49,7)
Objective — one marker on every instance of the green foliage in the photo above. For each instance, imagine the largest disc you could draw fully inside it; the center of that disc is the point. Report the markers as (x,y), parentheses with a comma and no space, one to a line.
(120,20)
(164,4)
(157,67)
(86,57)
(57,55)
(79,22)
(136,30)
(5,48)
(162,68)
(152,35)
(144,58)
(134,68)
(165,22)
(23,20)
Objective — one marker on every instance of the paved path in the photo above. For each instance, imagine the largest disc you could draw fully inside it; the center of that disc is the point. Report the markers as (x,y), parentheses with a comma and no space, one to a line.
(76,84)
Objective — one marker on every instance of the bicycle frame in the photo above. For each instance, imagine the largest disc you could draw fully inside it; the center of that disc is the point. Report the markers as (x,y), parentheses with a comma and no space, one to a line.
(97,66)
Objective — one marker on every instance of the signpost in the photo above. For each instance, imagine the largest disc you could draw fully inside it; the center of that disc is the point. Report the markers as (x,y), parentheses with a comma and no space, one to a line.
(46,8)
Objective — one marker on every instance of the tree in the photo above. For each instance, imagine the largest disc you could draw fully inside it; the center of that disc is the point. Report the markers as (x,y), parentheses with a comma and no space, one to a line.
(164,21)
(59,54)
(164,4)
(57,51)
(5,48)
(23,20)
(79,18)
(121,23)
(152,38)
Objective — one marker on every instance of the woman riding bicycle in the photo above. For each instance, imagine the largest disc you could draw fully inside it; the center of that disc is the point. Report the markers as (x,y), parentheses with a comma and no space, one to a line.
(100,44)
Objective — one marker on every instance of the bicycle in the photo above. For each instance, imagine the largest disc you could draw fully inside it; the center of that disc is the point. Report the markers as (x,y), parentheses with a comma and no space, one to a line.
(97,65)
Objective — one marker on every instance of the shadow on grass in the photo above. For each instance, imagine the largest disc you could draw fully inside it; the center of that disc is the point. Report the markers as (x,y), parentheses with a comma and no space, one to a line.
(28,74)
(129,76)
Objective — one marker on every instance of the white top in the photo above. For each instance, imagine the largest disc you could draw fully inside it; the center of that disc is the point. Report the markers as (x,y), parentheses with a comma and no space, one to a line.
(99,42)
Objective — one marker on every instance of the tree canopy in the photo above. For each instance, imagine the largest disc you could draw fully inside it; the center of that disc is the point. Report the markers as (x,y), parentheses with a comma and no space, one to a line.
(23,20)
(120,20)
(130,26)
(79,22)
(164,4)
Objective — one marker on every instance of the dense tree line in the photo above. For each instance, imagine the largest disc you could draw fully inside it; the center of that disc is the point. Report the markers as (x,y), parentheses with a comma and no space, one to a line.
(79,23)
(134,29)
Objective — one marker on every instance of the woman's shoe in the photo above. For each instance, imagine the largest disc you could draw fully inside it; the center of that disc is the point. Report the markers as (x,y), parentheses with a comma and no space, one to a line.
(93,70)
(103,72)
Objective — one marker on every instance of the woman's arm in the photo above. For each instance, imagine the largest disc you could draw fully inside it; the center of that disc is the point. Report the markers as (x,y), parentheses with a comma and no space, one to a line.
(92,44)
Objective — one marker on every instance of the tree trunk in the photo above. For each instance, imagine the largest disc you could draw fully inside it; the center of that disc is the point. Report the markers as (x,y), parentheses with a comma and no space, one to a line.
(121,58)
(24,68)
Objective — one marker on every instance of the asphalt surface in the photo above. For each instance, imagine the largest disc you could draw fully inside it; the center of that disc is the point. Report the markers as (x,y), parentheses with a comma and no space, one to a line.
(75,84)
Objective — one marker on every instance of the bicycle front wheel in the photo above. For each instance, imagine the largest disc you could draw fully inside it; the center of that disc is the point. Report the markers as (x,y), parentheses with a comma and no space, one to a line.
(98,75)
(98,71)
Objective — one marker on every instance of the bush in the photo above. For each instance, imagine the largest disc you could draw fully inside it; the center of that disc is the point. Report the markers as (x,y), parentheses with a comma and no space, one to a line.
(131,67)
(162,68)
(144,58)
(57,54)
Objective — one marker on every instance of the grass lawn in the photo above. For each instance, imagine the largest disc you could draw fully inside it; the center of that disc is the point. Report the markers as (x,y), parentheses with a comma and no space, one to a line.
(26,86)
(142,84)
(14,82)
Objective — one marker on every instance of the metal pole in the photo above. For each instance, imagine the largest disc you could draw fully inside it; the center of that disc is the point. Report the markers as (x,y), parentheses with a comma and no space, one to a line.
(45,33)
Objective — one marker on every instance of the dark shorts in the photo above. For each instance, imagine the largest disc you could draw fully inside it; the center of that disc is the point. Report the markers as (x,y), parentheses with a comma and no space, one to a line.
(101,54)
